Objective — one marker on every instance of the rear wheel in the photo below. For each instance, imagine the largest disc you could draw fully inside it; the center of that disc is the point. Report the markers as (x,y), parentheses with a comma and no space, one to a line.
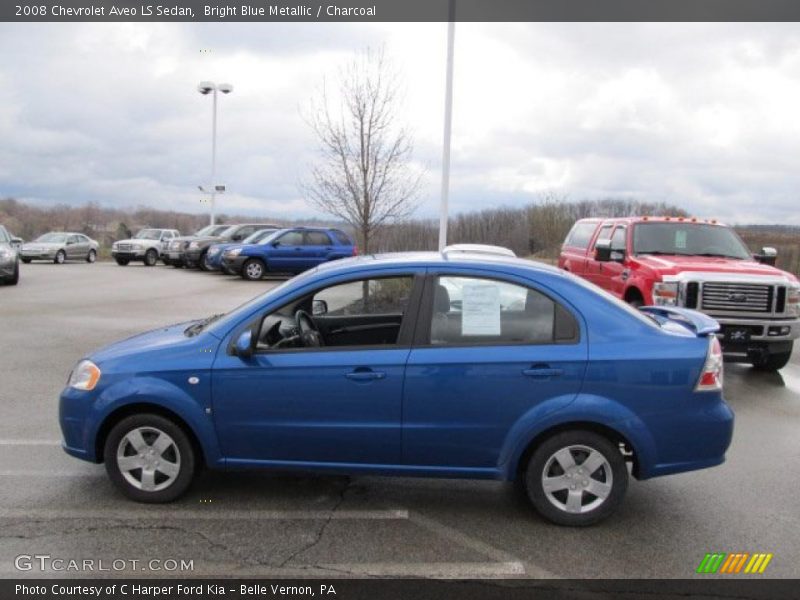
(27,261)
(576,478)
(150,258)
(770,361)
(253,269)
(122,261)
(149,458)
(60,258)
(91,257)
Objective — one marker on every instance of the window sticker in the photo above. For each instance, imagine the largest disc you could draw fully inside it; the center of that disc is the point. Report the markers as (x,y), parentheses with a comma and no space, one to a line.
(480,309)
(680,238)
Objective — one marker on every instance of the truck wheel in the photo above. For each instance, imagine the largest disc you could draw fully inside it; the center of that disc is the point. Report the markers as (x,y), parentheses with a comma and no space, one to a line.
(149,458)
(150,258)
(576,478)
(772,361)
(253,269)
(122,262)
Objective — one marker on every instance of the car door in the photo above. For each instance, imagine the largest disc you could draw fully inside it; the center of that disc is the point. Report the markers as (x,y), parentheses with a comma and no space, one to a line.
(594,268)
(488,350)
(336,404)
(317,248)
(286,252)
(74,247)
(166,238)
(614,271)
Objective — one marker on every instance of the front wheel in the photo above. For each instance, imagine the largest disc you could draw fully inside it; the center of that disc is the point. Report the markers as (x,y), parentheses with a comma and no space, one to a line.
(60,258)
(203,262)
(576,478)
(91,257)
(253,269)
(150,258)
(122,262)
(772,361)
(149,458)
(27,261)
(14,279)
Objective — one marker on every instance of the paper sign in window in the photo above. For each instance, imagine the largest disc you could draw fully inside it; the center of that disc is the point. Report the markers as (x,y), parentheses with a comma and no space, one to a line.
(480,309)
(680,239)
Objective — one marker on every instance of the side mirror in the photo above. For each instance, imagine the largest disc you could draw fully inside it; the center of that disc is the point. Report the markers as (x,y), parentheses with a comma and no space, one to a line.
(17,242)
(244,345)
(602,250)
(768,255)
(275,244)
(319,307)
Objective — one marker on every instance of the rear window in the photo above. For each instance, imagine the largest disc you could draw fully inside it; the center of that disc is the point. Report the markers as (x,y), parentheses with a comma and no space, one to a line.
(580,235)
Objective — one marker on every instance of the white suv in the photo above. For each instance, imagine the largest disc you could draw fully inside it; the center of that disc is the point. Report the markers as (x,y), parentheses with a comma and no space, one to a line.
(148,246)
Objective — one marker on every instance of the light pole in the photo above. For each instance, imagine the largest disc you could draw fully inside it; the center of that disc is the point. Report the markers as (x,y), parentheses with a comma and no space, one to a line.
(448,120)
(205,88)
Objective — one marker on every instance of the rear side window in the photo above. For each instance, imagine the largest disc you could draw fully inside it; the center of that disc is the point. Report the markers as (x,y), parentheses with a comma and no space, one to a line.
(580,235)
(317,238)
(468,311)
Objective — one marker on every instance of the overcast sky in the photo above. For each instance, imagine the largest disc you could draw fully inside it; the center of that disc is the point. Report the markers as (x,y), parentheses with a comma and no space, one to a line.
(706,116)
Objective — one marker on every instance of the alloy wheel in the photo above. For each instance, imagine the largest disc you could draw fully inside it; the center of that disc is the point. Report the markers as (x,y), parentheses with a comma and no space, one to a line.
(148,459)
(577,479)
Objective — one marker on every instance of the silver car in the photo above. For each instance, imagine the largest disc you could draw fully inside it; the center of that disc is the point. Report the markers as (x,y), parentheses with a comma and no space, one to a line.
(9,260)
(60,247)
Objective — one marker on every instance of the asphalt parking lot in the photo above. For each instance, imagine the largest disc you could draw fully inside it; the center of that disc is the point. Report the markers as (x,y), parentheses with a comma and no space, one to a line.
(267,525)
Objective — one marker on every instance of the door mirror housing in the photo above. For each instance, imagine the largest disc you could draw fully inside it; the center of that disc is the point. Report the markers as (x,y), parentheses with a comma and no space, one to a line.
(319,307)
(767,256)
(244,345)
(16,242)
(602,250)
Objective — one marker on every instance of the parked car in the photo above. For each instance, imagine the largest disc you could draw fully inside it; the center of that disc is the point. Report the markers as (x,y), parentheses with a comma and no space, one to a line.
(197,250)
(371,365)
(215,251)
(148,245)
(9,258)
(59,247)
(697,264)
(177,247)
(291,250)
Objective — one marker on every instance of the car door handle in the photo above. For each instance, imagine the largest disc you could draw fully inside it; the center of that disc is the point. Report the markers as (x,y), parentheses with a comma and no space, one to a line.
(365,375)
(542,372)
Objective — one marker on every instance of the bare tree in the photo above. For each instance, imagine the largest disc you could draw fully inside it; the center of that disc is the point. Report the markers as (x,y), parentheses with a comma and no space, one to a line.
(364,175)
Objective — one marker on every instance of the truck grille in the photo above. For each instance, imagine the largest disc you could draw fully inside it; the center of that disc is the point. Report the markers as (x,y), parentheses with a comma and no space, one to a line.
(125,247)
(737,297)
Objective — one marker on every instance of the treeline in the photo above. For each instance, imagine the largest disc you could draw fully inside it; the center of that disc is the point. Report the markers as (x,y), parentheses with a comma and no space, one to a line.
(537,229)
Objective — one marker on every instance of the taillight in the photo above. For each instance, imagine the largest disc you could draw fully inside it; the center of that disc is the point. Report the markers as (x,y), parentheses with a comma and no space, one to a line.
(711,376)
(355,249)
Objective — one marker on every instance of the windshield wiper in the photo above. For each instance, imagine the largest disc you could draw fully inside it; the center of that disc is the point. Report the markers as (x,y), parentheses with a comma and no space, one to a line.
(196,328)
(718,255)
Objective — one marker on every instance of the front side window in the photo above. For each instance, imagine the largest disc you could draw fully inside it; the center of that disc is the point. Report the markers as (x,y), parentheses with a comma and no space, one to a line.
(367,312)
(52,238)
(292,238)
(487,311)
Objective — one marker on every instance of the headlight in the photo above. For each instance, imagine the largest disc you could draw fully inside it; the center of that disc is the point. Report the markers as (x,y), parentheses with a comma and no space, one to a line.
(137,246)
(194,245)
(84,376)
(793,300)
(115,245)
(6,254)
(213,252)
(234,252)
(665,294)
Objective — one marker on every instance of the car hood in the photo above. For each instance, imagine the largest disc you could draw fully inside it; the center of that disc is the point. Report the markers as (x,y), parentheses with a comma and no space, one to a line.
(222,247)
(170,338)
(137,241)
(672,265)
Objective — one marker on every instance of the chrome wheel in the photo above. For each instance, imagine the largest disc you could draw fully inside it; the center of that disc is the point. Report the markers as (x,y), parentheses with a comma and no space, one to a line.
(148,459)
(254,270)
(577,479)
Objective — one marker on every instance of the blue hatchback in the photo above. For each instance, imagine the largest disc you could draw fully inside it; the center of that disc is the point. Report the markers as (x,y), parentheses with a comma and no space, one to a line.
(290,250)
(445,365)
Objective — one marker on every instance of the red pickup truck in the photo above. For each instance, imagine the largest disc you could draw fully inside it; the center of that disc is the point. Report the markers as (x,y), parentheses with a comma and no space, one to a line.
(698,264)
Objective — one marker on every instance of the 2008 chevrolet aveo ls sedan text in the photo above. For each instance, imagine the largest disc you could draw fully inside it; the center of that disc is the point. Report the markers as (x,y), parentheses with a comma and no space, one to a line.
(413,364)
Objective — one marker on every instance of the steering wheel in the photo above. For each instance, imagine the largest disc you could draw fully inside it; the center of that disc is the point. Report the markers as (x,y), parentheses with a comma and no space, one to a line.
(307,329)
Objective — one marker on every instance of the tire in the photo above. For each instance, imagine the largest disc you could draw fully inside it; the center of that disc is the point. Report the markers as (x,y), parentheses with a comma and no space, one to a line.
(253,269)
(119,449)
(91,257)
(165,260)
(122,262)
(556,505)
(772,361)
(177,265)
(201,262)
(27,261)
(150,258)
(14,279)
(60,258)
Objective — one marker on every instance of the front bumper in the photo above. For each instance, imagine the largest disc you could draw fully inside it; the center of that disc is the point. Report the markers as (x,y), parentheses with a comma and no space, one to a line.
(78,426)
(7,268)
(192,257)
(233,265)
(175,256)
(127,255)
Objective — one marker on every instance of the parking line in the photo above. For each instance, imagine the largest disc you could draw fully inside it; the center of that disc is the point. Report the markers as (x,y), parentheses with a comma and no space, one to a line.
(202,515)
(30,442)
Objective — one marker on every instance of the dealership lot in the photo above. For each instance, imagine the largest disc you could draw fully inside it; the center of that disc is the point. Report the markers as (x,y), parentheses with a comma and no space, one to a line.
(295,524)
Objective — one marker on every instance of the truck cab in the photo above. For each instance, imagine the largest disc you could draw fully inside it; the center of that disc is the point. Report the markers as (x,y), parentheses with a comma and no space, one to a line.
(698,264)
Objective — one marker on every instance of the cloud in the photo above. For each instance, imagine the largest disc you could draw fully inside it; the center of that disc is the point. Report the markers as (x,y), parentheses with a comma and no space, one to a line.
(700,115)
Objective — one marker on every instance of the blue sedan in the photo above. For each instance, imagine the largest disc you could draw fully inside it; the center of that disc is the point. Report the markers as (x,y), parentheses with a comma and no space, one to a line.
(435,365)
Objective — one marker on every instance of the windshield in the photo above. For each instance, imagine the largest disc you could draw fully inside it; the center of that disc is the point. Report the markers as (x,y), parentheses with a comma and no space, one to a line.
(258,236)
(52,238)
(228,232)
(212,230)
(148,234)
(688,239)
